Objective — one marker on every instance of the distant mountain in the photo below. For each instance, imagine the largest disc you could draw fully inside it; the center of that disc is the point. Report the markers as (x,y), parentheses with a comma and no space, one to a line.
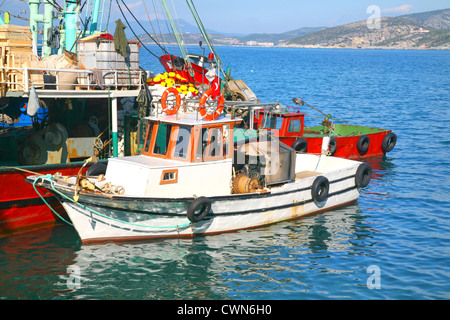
(161,26)
(438,19)
(278,37)
(413,31)
(406,32)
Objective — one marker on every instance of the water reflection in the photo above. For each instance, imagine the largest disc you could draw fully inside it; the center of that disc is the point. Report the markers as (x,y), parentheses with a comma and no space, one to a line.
(293,259)
(239,265)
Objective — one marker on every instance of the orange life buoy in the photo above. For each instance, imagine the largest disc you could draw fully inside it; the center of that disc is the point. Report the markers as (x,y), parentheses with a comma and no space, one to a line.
(164,97)
(202,108)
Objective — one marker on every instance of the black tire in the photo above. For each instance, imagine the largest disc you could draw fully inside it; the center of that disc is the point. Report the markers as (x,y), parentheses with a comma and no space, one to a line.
(332,147)
(198,209)
(363,144)
(300,145)
(363,175)
(320,188)
(388,142)
(96,169)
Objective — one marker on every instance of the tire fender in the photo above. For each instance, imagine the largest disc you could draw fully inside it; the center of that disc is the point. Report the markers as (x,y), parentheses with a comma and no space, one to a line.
(363,144)
(198,209)
(388,142)
(300,145)
(320,189)
(363,175)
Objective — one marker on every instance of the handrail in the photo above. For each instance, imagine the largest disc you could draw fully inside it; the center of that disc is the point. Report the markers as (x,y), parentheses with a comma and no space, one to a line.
(26,84)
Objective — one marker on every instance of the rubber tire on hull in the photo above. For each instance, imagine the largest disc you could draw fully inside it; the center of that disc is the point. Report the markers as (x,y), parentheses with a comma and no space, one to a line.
(332,147)
(300,145)
(96,169)
(320,188)
(363,175)
(363,144)
(388,142)
(202,204)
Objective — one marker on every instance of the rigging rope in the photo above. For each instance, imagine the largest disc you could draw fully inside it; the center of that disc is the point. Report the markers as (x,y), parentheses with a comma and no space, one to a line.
(120,8)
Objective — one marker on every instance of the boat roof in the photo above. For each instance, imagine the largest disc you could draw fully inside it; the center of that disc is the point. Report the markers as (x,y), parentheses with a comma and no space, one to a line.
(192,119)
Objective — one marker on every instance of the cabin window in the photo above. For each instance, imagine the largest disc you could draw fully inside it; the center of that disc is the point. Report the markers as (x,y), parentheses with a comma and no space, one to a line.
(294,125)
(201,145)
(148,137)
(169,176)
(215,145)
(181,149)
(209,145)
(271,121)
(162,139)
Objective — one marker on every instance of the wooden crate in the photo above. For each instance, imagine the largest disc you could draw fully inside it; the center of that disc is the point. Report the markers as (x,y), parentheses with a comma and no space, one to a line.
(16,52)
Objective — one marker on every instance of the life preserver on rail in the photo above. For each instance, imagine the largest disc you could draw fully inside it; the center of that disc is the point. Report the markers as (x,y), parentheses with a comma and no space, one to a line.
(202,108)
(363,175)
(164,97)
(320,188)
(300,145)
(389,142)
(363,144)
(198,209)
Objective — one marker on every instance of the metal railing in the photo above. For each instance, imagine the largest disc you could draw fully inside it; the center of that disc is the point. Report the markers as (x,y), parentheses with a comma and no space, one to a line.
(112,79)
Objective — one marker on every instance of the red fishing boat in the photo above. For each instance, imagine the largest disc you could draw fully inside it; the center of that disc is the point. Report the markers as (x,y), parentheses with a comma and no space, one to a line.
(68,101)
(346,141)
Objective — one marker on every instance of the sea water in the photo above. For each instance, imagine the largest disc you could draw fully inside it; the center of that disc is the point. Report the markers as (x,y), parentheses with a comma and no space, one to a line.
(393,243)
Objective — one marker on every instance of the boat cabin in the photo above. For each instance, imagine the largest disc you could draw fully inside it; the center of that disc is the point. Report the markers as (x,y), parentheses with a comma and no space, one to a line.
(287,122)
(186,156)
(183,156)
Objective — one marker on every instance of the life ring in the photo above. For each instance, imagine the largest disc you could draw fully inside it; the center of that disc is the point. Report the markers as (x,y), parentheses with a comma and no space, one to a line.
(198,209)
(320,188)
(388,142)
(363,144)
(202,108)
(363,175)
(300,145)
(164,97)
(332,146)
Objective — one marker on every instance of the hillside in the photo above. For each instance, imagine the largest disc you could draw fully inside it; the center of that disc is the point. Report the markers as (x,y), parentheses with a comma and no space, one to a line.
(438,19)
(278,37)
(407,32)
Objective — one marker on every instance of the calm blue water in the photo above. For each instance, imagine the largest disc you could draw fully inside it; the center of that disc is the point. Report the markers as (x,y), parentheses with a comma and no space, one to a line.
(399,226)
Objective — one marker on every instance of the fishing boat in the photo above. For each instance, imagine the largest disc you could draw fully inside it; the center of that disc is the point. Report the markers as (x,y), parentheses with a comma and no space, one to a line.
(66,95)
(194,177)
(288,124)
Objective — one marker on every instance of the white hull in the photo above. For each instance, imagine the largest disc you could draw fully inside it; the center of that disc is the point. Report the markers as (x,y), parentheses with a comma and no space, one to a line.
(228,213)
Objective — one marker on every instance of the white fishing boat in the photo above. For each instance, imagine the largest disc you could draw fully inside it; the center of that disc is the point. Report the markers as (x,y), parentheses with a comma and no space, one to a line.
(195,178)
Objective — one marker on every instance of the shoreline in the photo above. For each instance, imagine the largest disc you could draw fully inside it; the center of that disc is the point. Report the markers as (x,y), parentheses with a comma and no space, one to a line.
(318,47)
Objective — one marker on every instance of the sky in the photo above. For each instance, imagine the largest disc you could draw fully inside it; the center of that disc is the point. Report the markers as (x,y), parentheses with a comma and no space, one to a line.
(261,16)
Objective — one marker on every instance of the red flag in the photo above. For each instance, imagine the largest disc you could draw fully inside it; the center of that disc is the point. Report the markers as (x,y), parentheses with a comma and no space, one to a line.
(215,86)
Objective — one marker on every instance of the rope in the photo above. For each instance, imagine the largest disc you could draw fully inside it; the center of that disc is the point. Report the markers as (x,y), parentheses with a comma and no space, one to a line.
(129,25)
(49,177)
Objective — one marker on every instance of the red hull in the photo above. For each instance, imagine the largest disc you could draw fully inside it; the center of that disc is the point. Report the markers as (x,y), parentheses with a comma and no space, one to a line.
(20,206)
(346,146)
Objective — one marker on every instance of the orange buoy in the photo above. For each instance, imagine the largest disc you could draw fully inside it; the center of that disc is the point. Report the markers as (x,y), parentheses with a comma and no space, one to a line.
(164,97)
(202,108)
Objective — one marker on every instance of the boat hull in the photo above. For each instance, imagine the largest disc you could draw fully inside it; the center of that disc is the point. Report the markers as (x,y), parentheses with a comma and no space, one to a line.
(347,141)
(121,218)
(21,208)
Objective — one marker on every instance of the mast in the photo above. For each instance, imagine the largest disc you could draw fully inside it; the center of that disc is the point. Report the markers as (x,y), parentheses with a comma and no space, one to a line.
(70,18)
(177,37)
(206,36)
(46,18)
